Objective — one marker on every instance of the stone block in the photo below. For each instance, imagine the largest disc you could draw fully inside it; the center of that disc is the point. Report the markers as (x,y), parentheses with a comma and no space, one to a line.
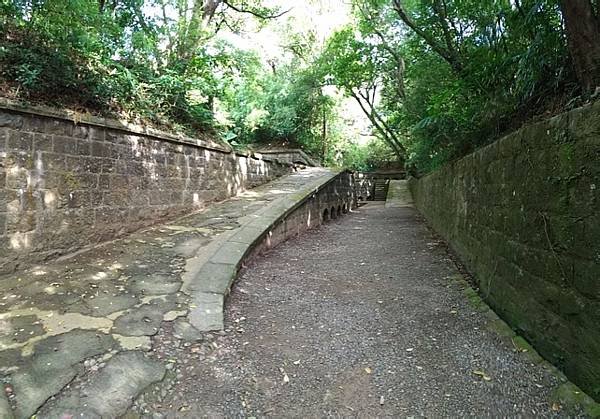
(96,197)
(118,199)
(119,182)
(115,137)
(97,134)
(100,149)
(7,196)
(85,164)
(103,181)
(60,201)
(19,141)
(53,161)
(108,165)
(176,198)
(21,222)
(57,127)
(230,253)
(247,235)
(135,168)
(213,278)
(139,198)
(584,124)
(3,141)
(11,120)
(124,152)
(42,142)
(80,131)
(207,312)
(150,183)
(109,218)
(159,197)
(586,278)
(66,145)
(2,223)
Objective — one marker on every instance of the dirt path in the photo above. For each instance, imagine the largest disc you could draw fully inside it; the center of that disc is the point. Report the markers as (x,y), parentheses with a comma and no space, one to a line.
(361,318)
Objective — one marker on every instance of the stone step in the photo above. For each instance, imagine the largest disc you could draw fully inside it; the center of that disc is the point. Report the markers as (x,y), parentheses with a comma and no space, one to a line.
(380,189)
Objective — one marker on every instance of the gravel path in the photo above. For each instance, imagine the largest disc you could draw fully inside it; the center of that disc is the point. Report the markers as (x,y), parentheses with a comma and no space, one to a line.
(360,318)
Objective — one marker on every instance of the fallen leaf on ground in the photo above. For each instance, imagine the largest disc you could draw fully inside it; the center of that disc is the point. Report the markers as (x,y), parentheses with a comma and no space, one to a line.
(483,375)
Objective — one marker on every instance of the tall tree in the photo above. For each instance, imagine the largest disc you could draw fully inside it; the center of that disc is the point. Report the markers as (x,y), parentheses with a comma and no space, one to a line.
(355,66)
(582,25)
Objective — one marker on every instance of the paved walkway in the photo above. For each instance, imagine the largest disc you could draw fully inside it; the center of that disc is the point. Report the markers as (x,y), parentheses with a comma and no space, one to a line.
(74,333)
(365,317)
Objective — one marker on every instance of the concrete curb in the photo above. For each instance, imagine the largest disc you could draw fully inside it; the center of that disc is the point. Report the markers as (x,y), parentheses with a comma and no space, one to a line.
(5,410)
(211,279)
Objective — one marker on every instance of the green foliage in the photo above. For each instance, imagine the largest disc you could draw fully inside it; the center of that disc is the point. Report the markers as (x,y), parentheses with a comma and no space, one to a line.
(452,75)
(113,58)
(375,154)
(161,62)
(435,78)
(286,105)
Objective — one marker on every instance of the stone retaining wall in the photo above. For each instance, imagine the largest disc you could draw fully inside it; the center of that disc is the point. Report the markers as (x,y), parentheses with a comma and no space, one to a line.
(524,215)
(68,182)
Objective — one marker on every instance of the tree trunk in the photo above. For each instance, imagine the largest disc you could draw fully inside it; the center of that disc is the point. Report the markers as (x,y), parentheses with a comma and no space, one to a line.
(324,137)
(385,135)
(582,25)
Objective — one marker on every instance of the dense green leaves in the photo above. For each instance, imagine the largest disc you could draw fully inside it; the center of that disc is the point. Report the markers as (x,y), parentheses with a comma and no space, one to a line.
(163,62)
(454,74)
(435,78)
(146,60)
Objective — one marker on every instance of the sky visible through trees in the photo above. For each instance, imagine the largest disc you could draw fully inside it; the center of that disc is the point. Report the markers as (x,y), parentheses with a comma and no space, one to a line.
(356,83)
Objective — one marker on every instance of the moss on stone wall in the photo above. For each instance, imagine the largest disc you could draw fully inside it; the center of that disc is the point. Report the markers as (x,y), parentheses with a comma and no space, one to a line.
(524,215)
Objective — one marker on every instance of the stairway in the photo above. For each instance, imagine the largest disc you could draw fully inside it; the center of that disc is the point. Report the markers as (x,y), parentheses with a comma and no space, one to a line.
(380,189)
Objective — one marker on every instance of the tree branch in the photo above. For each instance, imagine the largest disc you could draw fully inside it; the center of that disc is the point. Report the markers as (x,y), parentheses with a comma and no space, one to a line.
(254,12)
(379,123)
(376,125)
(448,56)
(441,10)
